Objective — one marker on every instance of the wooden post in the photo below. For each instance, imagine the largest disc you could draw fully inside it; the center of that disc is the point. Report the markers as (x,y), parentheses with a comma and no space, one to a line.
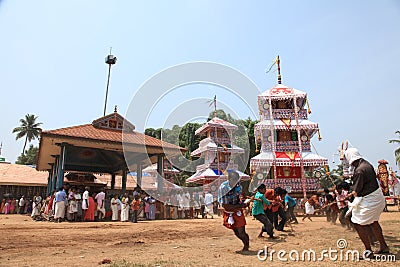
(50,181)
(302,176)
(48,189)
(273,141)
(113,181)
(160,173)
(54,180)
(139,174)
(61,162)
(124,174)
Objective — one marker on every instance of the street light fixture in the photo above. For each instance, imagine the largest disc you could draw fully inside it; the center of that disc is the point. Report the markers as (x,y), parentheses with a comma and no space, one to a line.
(110,60)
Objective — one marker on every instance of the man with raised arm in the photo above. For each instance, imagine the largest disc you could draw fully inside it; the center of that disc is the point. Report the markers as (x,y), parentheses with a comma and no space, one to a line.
(229,196)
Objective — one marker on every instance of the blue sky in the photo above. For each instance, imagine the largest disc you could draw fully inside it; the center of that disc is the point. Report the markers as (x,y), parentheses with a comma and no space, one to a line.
(344,54)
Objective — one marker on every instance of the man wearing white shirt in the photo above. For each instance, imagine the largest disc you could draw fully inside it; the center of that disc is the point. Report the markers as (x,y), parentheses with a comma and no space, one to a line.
(21,205)
(209,204)
(100,197)
(85,201)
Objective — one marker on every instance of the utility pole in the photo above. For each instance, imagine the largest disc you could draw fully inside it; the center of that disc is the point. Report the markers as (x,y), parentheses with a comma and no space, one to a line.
(110,60)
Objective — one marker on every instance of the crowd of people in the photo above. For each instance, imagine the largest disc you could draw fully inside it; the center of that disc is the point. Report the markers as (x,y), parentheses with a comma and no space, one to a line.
(17,205)
(357,208)
(75,204)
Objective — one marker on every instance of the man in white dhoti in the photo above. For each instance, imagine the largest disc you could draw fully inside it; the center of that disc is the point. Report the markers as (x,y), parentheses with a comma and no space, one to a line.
(100,197)
(85,201)
(179,198)
(369,201)
(125,209)
(60,200)
(114,208)
(209,205)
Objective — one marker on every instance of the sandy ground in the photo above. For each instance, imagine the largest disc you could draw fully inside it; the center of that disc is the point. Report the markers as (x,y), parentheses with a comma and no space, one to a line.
(199,242)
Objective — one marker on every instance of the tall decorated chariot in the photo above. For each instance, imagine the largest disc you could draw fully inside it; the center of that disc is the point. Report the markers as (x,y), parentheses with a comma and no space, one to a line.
(284,136)
(216,148)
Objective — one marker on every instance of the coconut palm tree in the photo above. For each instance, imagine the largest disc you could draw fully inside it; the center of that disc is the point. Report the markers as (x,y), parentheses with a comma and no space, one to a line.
(397,151)
(29,128)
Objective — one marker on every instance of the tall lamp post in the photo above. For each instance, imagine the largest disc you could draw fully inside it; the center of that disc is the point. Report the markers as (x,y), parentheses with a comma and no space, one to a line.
(110,60)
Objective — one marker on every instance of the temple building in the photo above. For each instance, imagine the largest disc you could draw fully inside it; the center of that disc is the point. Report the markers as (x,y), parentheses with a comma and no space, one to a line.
(109,145)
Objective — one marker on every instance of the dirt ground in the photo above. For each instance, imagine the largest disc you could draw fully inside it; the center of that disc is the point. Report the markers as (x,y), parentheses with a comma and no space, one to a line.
(198,242)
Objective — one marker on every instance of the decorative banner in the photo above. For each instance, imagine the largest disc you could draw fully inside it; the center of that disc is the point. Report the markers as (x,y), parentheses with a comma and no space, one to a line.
(288,172)
(287,155)
(281,90)
(286,122)
(311,184)
(383,176)
(292,155)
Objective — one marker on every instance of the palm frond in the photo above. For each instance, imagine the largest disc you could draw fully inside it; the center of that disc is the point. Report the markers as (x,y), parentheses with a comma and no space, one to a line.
(17,129)
(20,135)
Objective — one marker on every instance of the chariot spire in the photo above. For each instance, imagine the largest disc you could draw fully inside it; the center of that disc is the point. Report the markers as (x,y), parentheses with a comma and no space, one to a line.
(278,63)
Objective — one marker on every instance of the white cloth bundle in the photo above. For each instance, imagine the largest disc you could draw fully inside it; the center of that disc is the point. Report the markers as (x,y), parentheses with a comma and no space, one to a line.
(353,205)
(309,208)
(231,221)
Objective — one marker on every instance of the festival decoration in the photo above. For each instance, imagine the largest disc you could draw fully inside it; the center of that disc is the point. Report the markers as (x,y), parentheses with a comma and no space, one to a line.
(286,139)
(383,176)
(216,148)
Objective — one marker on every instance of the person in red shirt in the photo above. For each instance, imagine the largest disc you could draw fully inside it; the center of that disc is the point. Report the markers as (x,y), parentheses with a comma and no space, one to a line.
(272,209)
(276,209)
(135,205)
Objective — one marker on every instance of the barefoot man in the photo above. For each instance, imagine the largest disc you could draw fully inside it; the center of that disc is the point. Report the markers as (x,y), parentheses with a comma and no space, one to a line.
(369,201)
(229,194)
(258,211)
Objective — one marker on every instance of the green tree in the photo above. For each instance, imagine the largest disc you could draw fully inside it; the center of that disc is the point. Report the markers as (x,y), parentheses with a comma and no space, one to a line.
(29,157)
(156,133)
(335,176)
(28,128)
(397,151)
(171,135)
(220,114)
(184,137)
(188,138)
(244,138)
